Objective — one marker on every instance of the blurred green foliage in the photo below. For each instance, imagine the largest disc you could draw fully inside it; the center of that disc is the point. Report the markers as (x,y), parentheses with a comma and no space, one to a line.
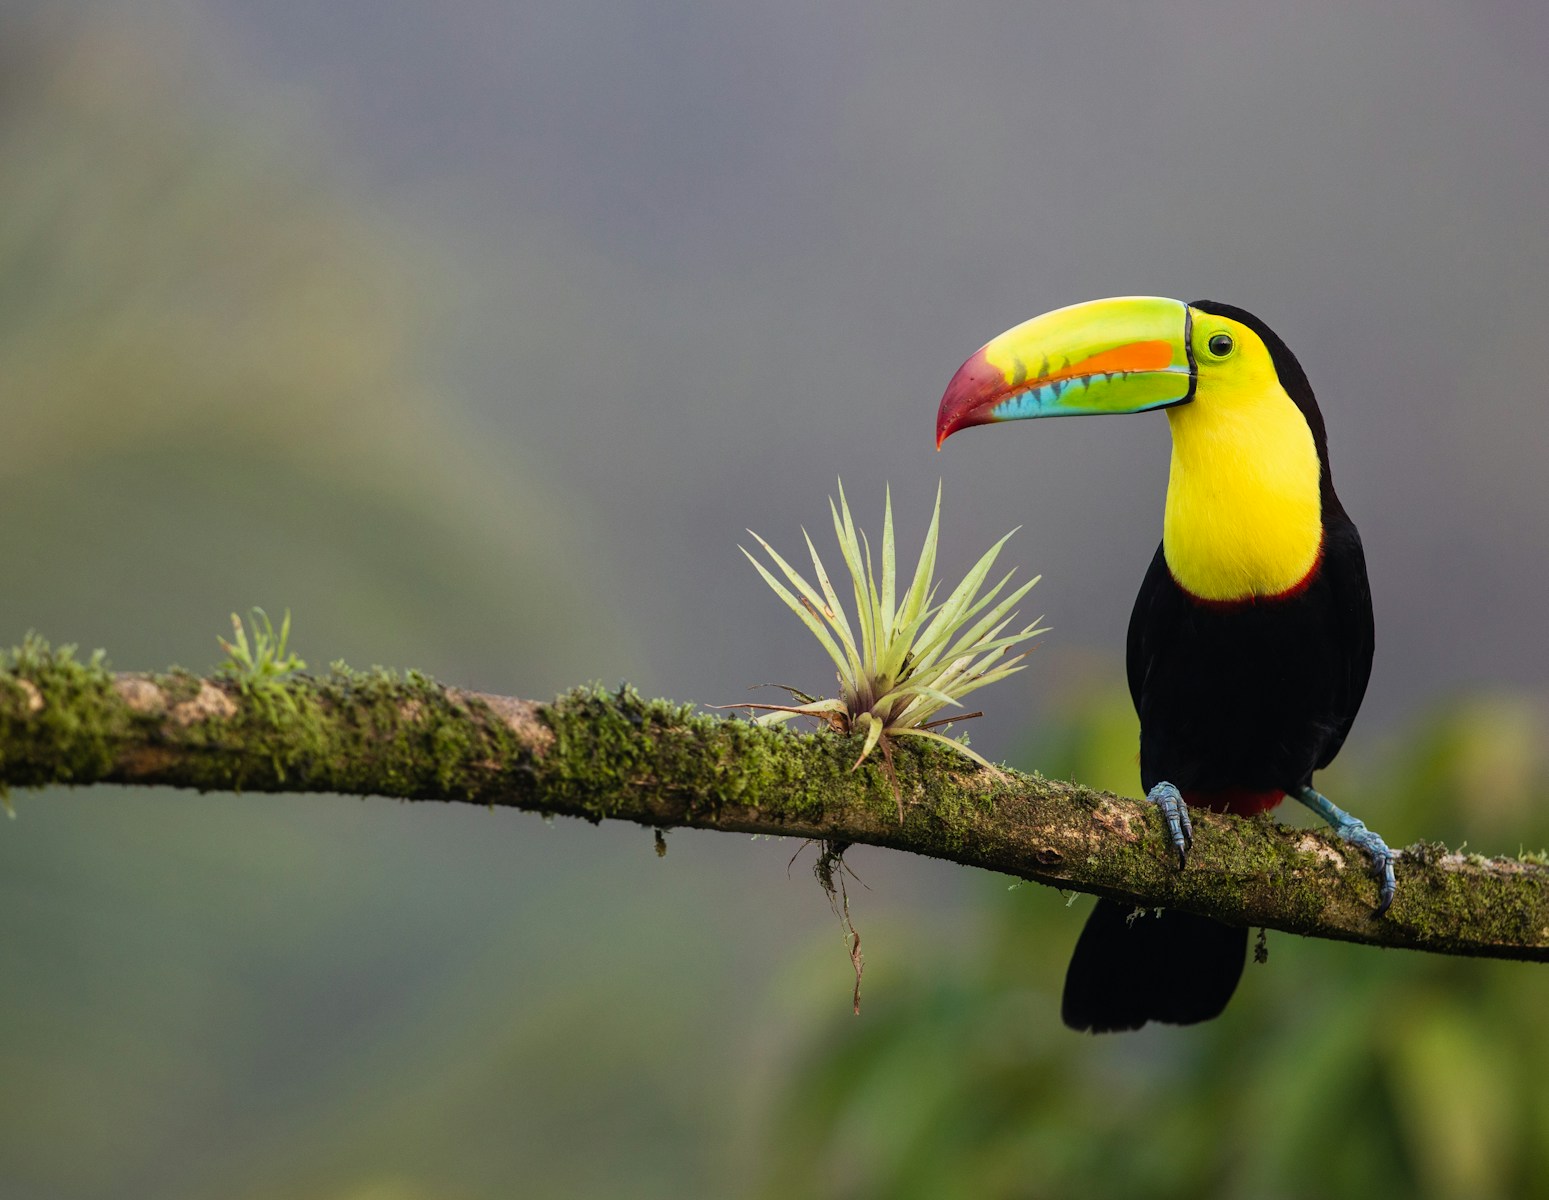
(1336,1071)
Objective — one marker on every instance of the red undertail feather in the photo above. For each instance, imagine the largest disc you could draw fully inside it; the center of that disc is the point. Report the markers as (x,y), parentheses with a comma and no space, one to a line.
(1244,802)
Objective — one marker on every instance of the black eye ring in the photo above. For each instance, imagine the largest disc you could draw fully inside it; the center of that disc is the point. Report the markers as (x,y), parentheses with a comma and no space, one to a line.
(1220,344)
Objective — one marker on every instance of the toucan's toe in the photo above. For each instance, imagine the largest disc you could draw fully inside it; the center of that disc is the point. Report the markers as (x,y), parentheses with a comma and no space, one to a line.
(1175,813)
(1353,830)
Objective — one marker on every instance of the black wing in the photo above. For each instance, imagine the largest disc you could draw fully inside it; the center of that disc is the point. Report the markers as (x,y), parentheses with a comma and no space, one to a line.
(1344,564)
(1138,652)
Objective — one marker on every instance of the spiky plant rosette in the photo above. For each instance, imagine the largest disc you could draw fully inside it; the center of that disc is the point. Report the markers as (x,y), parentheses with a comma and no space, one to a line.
(902,662)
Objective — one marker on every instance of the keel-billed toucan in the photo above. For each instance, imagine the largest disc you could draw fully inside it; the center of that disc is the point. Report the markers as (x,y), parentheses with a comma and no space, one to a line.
(1250,643)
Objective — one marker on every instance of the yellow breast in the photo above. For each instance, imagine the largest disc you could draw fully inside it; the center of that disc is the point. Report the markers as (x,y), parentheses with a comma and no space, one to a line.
(1243,517)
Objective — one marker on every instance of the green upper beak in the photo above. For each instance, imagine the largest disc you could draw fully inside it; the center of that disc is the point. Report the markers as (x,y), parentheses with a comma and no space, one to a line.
(1122,355)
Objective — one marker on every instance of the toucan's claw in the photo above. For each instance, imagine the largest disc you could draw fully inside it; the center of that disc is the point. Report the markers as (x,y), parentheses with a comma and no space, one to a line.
(1176,815)
(1382,862)
(1354,831)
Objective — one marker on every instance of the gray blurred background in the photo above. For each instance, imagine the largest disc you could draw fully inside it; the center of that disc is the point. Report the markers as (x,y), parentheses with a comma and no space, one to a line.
(476,333)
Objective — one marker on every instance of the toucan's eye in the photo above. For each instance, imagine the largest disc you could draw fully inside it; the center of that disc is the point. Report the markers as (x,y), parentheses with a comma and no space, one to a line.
(1220,344)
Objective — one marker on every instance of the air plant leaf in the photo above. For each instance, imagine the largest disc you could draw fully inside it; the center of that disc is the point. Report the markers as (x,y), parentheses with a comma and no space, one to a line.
(946,741)
(889,566)
(873,729)
(905,658)
(801,610)
(834,611)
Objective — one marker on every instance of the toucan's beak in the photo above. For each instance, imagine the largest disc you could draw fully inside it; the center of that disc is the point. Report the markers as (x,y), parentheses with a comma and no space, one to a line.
(1123,355)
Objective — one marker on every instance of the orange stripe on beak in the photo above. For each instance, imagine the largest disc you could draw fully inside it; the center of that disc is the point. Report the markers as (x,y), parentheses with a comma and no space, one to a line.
(1137,356)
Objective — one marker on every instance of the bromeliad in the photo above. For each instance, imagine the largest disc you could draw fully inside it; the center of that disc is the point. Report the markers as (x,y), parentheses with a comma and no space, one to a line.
(904,660)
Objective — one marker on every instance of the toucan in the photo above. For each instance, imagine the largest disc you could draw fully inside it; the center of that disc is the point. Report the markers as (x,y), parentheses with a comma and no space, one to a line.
(1250,643)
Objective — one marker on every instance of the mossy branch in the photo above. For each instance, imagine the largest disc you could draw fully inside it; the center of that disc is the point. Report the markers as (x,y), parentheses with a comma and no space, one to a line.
(597,755)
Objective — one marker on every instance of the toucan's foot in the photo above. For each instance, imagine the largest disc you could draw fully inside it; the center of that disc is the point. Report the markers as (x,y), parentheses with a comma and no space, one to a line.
(1354,831)
(1176,814)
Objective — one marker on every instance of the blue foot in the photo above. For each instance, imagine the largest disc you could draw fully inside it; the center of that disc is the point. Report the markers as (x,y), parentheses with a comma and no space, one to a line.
(1354,831)
(1176,814)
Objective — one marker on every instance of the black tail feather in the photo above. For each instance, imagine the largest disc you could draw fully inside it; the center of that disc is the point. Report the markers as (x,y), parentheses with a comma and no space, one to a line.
(1173,967)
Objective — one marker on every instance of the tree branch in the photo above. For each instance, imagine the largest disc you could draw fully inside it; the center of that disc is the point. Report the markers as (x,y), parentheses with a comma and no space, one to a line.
(597,755)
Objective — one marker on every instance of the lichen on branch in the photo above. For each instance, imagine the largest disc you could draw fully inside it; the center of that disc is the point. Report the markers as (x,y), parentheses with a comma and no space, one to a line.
(612,755)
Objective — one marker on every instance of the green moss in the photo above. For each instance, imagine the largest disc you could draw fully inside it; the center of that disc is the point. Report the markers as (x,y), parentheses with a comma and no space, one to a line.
(58,716)
(61,720)
(610,744)
(178,686)
(403,732)
(957,810)
(1426,853)
(609,747)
